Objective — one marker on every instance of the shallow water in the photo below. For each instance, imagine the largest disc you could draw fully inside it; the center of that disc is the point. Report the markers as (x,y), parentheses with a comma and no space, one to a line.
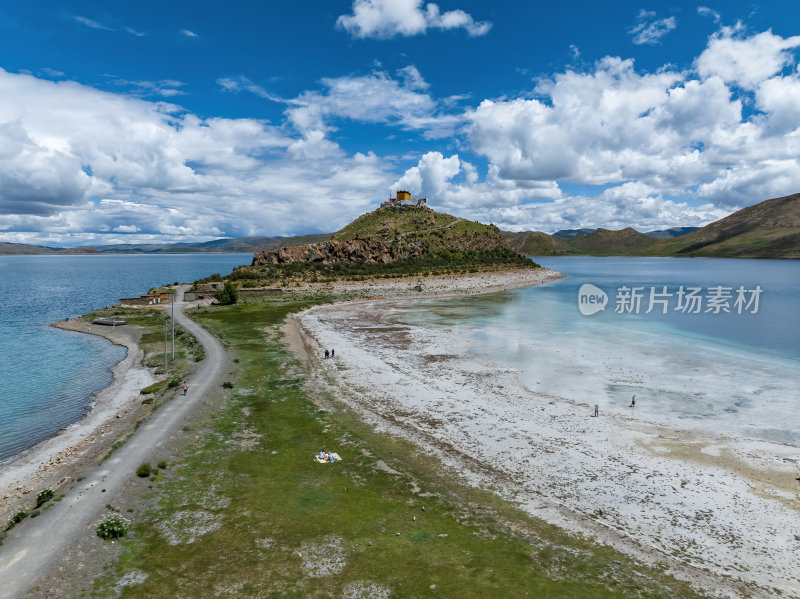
(729,373)
(49,375)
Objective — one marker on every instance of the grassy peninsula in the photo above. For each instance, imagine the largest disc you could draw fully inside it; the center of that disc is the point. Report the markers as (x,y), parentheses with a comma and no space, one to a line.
(246,512)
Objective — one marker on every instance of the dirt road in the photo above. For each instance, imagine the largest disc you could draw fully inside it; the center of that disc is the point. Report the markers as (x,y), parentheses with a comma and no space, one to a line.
(34,547)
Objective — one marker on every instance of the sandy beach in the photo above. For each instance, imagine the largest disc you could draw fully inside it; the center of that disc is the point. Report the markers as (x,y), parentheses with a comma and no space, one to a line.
(720,511)
(54,461)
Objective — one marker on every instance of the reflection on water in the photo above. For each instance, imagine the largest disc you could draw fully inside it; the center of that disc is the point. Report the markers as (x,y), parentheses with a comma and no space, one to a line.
(730,373)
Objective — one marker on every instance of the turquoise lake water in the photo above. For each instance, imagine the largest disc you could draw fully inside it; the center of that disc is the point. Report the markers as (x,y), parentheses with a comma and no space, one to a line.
(727,372)
(49,375)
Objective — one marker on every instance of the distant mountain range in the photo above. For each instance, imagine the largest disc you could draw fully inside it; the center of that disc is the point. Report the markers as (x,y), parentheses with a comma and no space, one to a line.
(662,234)
(237,245)
(770,229)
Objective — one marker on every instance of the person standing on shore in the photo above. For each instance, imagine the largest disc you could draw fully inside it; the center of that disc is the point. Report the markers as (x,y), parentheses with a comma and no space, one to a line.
(596,410)
(185,387)
(633,402)
(332,352)
(326,354)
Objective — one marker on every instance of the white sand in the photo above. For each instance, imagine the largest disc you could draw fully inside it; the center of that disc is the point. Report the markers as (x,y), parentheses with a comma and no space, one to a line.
(722,512)
(42,464)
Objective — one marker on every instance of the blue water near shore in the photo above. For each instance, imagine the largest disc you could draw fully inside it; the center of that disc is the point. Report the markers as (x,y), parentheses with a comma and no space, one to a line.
(727,372)
(49,375)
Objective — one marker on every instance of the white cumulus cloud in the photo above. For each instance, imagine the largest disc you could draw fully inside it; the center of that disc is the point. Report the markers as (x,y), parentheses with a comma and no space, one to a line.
(746,61)
(79,163)
(390,18)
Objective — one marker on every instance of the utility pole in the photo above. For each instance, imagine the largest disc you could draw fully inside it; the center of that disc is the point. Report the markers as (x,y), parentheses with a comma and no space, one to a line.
(165,345)
(173,324)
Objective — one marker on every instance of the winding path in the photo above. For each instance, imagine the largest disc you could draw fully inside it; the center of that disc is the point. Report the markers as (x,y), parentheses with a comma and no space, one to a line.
(39,543)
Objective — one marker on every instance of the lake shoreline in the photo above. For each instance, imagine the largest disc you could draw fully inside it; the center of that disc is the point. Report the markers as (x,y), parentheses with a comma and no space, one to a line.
(660,493)
(55,461)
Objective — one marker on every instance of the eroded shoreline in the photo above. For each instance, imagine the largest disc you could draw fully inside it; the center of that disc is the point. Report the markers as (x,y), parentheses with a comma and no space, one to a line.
(719,511)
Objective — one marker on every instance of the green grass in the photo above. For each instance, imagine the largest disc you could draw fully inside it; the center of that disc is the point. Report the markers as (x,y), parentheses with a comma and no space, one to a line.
(252,473)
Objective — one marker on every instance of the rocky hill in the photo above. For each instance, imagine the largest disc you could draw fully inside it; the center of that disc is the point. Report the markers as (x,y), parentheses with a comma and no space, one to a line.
(391,234)
(391,242)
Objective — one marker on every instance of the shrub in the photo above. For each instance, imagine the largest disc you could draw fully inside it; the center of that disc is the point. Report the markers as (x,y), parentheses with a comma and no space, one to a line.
(144,469)
(227,385)
(16,519)
(229,294)
(44,496)
(162,464)
(113,526)
(174,382)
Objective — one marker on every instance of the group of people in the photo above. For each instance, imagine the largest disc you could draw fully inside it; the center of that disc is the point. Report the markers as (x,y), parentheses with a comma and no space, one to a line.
(597,407)
(329,354)
(326,457)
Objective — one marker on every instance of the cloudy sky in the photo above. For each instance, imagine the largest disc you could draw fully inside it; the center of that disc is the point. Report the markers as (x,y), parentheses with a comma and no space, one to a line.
(175,121)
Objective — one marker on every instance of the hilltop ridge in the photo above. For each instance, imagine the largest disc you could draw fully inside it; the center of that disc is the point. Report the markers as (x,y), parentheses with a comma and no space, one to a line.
(391,241)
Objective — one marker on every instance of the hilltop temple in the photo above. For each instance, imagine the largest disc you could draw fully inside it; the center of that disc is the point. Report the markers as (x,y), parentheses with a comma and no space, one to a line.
(404,200)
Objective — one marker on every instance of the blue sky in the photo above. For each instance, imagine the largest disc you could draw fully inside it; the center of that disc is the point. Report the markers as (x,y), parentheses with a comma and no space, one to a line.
(172,121)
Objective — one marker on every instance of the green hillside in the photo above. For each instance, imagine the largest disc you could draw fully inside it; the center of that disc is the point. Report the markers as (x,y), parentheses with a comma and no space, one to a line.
(536,243)
(424,228)
(604,242)
(388,242)
(770,229)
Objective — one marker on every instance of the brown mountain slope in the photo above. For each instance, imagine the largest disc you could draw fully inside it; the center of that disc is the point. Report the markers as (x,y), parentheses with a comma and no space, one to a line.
(770,229)
(611,243)
(536,243)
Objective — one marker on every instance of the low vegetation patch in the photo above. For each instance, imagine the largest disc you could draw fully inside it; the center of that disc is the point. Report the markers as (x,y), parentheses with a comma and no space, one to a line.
(44,496)
(144,470)
(16,519)
(113,526)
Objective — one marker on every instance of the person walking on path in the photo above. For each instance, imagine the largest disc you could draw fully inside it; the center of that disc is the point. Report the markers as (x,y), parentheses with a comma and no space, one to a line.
(327,353)
(185,387)
(633,402)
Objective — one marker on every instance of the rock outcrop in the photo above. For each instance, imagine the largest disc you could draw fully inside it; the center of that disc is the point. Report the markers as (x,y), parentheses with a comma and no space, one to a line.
(369,251)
